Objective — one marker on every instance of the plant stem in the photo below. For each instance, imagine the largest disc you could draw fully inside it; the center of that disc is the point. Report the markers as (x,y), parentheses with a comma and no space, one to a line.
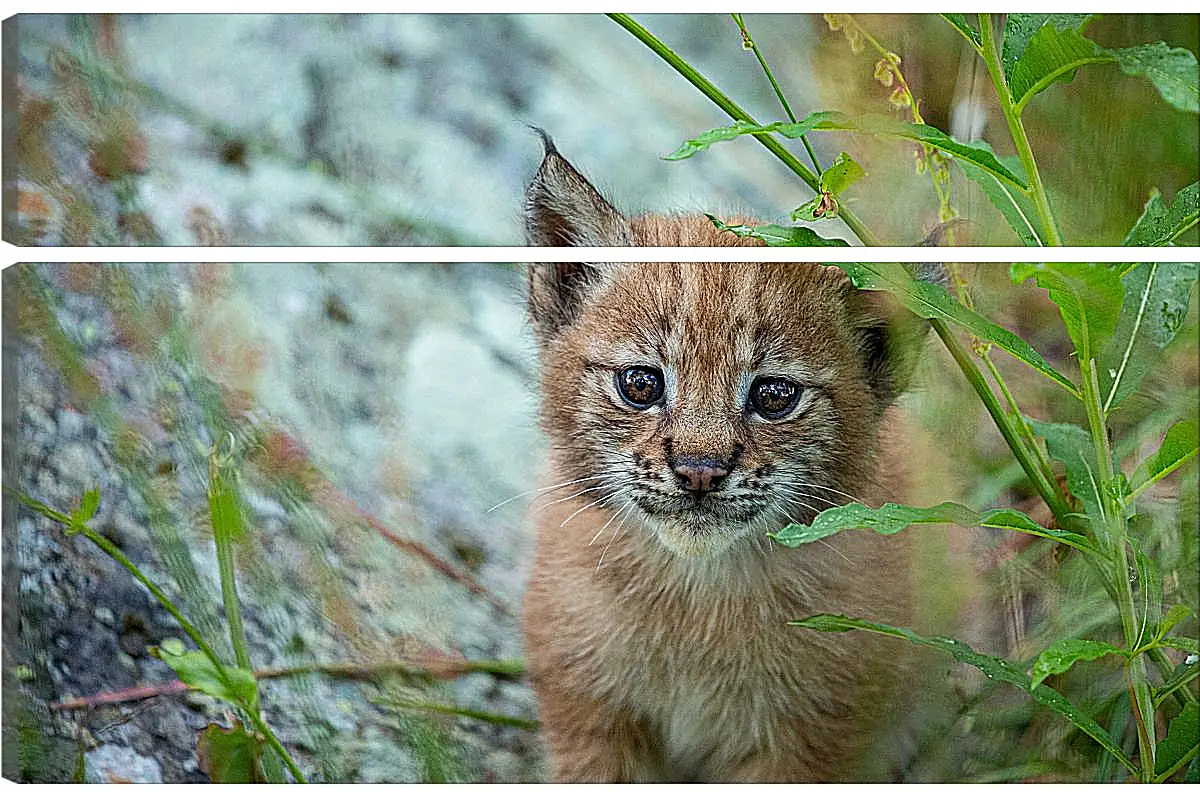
(227,526)
(748,41)
(1048,490)
(117,555)
(265,731)
(1114,520)
(1037,191)
(722,101)
(470,713)
(1022,426)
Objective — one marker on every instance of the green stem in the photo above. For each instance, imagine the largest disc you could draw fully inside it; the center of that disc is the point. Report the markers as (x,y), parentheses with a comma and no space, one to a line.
(1037,191)
(748,41)
(1047,489)
(269,735)
(1022,425)
(731,108)
(1114,520)
(117,555)
(470,713)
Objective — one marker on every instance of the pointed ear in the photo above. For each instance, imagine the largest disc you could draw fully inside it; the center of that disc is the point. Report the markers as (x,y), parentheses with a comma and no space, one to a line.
(890,337)
(562,209)
(556,295)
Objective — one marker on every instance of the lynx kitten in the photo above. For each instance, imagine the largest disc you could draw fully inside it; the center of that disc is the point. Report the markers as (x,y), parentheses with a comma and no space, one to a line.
(692,409)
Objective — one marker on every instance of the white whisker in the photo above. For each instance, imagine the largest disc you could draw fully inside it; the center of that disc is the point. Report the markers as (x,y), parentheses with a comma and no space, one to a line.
(543,489)
(592,504)
(613,538)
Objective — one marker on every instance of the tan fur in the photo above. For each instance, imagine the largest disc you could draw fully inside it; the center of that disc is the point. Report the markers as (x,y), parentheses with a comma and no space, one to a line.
(656,631)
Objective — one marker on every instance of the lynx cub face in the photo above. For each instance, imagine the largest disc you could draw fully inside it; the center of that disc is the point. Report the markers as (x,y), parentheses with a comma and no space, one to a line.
(711,402)
(692,409)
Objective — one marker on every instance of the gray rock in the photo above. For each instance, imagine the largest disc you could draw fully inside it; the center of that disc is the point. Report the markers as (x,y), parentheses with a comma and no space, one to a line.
(110,763)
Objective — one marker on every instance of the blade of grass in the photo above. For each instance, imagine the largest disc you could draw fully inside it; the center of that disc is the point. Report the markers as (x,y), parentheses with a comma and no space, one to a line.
(722,101)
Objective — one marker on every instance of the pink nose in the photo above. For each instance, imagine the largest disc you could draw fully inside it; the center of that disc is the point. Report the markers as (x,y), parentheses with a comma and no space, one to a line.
(700,474)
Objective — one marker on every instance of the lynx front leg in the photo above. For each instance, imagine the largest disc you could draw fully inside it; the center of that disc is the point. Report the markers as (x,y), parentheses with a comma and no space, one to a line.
(592,742)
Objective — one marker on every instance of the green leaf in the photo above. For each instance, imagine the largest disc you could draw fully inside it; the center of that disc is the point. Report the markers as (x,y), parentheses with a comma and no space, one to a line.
(1016,207)
(929,301)
(959,21)
(1020,29)
(87,507)
(1183,736)
(820,120)
(1072,445)
(1161,224)
(1184,643)
(872,124)
(231,755)
(1183,674)
(1052,56)
(1061,656)
(778,235)
(891,518)
(1172,70)
(1179,446)
(839,175)
(1174,616)
(1089,299)
(1156,301)
(197,671)
(1149,593)
(994,668)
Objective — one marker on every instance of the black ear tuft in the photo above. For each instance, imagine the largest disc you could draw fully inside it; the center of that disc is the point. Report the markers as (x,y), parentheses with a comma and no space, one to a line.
(562,209)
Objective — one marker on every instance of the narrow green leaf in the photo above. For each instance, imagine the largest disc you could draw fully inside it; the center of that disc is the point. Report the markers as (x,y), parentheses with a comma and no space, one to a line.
(87,507)
(778,235)
(959,21)
(1149,593)
(891,518)
(1161,224)
(815,121)
(1019,30)
(1061,656)
(1183,674)
(929,302)
(1179,446)
(1089,299)
(1183,735)
(1072,445)
(1051,56)
(841,174)
(1015,206)
(994,668)
(1184,643)
(872,124)
(1172,70)
(1156,301)
(1175,615)
(198,671)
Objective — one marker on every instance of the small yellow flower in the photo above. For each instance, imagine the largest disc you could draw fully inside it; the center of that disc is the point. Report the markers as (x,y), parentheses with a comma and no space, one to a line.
(883,72)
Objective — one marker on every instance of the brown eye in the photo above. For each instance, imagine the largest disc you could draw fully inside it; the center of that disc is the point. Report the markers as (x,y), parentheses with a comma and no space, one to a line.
(641,387)
(774,398)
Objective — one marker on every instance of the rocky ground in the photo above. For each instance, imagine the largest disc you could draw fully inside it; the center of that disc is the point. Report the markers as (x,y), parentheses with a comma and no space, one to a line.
(402,129)
(409,388)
